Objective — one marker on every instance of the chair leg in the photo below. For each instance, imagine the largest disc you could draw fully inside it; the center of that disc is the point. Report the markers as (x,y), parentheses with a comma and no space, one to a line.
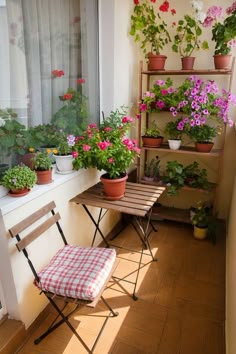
(65,319)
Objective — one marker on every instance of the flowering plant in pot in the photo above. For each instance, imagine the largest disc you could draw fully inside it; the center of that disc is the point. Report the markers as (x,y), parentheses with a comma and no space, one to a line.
(159,97)
(200,219)
(200,100)
(174,134)
(107,149)
(65,153)
(43,166)
(19,179)
(223,32)
(148,28)
(72,116)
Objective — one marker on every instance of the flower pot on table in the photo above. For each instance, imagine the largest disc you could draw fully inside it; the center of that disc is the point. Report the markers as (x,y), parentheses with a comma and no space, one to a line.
(114,188)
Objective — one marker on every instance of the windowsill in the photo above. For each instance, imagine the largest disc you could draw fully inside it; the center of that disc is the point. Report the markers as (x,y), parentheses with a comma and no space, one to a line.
(8,203)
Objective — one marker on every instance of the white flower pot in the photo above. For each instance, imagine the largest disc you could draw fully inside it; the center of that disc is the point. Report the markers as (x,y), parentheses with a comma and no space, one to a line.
(174,144)
(64,164)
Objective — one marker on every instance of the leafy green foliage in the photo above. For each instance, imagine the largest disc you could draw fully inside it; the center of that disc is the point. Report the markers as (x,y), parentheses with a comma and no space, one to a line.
(72,117)
(187,38)
(43,161)
(202,133)
(19,177)
(153,131)
(171,129)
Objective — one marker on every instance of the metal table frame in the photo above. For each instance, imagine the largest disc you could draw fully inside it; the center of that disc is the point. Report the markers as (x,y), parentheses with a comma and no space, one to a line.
(137,202)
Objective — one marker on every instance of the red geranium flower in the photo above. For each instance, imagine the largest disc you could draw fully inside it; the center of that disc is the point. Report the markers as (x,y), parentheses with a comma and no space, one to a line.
(136,2)
(67,96)
(80,81)
(164,7)
(57,73)
(173,11)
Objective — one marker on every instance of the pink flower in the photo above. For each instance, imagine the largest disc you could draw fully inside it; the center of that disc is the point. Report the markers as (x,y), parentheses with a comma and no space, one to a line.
(103,145)
(75,154)
(111,160)
(164,92)
(164,7)
(160,104)
(92,125)
(143,107)
(138,115)
(86,147)
(107,129)
(127,119)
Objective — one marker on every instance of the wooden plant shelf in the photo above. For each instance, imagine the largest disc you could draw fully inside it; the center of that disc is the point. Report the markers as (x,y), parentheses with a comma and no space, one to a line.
(187,188)
(189,72)
(174,214)
(185,150)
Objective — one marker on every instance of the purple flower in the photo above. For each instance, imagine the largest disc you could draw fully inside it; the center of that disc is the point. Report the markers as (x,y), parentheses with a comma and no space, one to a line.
(180,125)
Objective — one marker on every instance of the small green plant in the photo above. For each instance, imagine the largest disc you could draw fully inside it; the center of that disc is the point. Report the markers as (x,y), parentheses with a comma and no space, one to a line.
(43,161)
(187,38)
(176,176)
(65,145)
(202,133)
(201,216)
(152,131)
(19,177)
(152,168)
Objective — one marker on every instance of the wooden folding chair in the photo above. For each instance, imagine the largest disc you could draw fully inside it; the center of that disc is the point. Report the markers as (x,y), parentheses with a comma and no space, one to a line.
(75,274)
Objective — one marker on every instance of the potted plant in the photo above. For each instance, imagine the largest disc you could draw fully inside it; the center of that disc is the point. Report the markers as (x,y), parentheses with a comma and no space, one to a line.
(203,135)
(201,101)
(200,220)
(174,177)
(187,39)
(152,170)
(151,30)
(71,118)
(196,177)
(159,97)
(19,179)
(152,137)
(223,33)
(43,167)
(64,154)
(108,149)
(174,134)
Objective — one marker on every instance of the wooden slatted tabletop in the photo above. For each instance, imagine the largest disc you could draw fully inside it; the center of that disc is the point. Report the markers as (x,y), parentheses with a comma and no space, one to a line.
(138,199)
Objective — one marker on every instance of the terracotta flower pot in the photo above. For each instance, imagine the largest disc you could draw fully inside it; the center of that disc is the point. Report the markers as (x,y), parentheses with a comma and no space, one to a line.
(222,61)
(187,63)
(152,142)
(18,192)
(27,159)
(44,177)
(114,188)
(156,62)
(204,147)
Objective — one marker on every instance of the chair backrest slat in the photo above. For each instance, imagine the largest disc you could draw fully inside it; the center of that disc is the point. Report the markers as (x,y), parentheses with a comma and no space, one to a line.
(37,231)
(24,224)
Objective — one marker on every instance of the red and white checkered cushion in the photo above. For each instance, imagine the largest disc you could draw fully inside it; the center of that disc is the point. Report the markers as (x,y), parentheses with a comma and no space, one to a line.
(77,272)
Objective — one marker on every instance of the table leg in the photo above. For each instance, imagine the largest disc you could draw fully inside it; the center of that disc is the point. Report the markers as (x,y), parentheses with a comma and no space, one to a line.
(96,225)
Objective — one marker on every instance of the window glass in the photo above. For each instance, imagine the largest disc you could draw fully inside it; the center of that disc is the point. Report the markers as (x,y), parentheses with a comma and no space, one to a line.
(47,47)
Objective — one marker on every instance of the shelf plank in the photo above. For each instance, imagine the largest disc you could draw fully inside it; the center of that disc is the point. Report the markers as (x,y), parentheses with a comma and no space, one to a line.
(186,187)
(185,150)
(174,214)
(188,72)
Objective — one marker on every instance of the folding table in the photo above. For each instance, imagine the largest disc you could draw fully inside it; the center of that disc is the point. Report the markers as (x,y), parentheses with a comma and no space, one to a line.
(137,202)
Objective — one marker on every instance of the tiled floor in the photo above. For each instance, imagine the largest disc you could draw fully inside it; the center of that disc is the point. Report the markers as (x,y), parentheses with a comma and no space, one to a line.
(180,306)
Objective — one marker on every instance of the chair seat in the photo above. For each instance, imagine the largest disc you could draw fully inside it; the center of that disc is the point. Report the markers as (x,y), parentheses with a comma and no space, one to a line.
(77,272)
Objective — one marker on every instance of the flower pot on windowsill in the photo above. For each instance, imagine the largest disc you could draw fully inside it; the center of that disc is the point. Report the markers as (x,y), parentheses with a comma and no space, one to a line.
(114,188)
(156,62)
(152,141)
(44,177)
(64,164)
(204,146)
(222,61)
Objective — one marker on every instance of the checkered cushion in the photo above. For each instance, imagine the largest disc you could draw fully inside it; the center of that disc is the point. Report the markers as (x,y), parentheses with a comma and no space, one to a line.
(77,272)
